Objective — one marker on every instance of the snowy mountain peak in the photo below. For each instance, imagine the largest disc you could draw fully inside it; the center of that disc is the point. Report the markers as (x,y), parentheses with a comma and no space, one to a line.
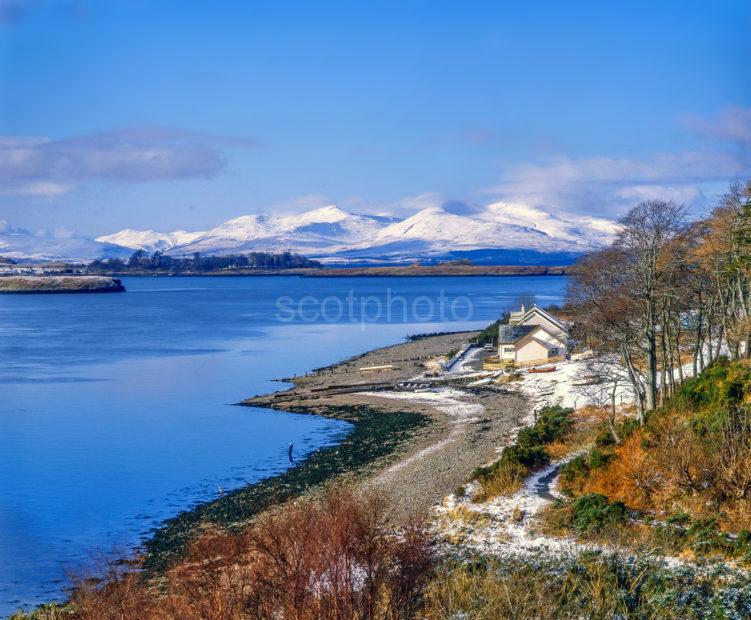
(330,214)
(332,233)
(148,240)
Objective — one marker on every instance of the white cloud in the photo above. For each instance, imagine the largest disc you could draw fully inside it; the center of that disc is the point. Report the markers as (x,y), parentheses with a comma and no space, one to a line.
(412,204)
(302,203)
(607,185)
(41,166)
(686,194)
(63,233)
(732,124)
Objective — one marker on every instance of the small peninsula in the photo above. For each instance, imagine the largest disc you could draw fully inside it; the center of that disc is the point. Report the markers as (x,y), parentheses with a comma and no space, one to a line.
(60,284)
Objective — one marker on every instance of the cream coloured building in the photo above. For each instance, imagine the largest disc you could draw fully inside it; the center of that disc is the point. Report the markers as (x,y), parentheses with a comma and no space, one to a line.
(531,336)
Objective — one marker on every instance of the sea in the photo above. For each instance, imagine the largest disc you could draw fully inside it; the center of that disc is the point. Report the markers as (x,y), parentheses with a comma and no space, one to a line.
(119,410)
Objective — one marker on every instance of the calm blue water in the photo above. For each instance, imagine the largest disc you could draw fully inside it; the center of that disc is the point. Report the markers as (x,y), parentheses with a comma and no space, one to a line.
(115,410)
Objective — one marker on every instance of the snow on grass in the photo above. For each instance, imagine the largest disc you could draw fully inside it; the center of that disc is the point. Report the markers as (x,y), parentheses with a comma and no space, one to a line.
(507,528)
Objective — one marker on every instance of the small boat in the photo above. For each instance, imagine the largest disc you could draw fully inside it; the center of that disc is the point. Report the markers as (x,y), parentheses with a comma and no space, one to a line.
(587,381)
(480,382)
(548,369)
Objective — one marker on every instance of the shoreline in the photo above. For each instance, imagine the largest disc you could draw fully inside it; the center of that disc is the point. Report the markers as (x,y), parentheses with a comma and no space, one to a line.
(442,437)
(59,285)
(368,443)
(411,271)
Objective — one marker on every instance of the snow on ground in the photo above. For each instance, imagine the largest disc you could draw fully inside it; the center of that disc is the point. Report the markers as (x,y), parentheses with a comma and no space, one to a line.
(505,525)
(464,364)
(559,387)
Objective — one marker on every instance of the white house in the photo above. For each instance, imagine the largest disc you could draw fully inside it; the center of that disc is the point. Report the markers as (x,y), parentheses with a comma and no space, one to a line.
(531,336)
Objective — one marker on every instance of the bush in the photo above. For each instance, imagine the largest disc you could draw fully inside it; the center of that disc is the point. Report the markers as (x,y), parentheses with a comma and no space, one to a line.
(598,459)
(723,385)
(573,473)
(592,513)
(339,556)
(528,453)
(552,423)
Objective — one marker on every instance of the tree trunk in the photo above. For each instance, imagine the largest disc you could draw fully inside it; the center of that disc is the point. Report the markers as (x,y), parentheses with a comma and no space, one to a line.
(636,384)
(613,430)
(651,383)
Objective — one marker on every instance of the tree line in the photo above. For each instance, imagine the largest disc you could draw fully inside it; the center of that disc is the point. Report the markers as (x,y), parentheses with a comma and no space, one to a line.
(669,292)
(141,261)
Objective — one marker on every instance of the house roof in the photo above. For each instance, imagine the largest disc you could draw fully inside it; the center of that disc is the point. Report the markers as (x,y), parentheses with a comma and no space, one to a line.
(509,334)
(541,312)
(538,328)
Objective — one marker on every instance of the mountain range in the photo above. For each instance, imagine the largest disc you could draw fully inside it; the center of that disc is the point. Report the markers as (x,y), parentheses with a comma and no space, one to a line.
(334,235)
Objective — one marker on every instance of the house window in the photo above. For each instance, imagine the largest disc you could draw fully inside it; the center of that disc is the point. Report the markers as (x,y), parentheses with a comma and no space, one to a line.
(554,352)
(508,349)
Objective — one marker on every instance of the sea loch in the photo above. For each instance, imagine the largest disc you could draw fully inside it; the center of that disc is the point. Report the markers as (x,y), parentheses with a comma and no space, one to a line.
(117,410)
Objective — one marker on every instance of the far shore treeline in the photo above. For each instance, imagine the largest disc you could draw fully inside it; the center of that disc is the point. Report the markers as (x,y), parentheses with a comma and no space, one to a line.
(140,262)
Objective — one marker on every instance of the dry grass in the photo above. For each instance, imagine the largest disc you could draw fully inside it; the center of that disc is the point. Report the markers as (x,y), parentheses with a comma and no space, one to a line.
(585,587)
(556,521)
(510,377)
(507,479)
(468,516)
(587,423)
(668,467)
(463,591)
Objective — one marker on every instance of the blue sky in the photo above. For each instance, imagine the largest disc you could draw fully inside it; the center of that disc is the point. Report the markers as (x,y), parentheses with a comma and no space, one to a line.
(165,115)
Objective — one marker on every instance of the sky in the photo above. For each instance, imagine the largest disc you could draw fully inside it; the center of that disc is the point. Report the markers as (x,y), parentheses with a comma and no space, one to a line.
(179,115)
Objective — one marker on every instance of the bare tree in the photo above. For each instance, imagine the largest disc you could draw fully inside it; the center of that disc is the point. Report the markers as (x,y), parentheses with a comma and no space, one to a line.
(605,377)
(650,234)
(600,290)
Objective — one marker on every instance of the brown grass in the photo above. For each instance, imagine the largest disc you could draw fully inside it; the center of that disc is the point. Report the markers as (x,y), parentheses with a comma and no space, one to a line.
(587,424)
(668,467)
(336,558)
(507,479)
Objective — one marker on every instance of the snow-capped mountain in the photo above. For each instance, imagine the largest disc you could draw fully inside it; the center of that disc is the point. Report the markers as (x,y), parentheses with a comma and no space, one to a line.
(25,246)
(332,234)
(149,240)
(499,226)
(579,229)
(319,232)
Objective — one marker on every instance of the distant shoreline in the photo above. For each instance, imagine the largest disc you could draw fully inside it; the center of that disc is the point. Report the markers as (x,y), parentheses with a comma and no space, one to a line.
(58,285)
(410,271)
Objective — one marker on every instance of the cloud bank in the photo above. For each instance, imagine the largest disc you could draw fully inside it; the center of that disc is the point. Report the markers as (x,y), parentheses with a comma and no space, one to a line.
(733,124)
(41,166)
(607,185)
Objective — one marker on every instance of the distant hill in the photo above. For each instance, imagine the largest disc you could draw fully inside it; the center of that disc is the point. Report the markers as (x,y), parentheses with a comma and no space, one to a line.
(505,233)
(24,246)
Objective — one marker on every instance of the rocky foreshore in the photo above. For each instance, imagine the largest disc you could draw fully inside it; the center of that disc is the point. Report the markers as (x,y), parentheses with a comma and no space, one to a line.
(416,447)
(60,284)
